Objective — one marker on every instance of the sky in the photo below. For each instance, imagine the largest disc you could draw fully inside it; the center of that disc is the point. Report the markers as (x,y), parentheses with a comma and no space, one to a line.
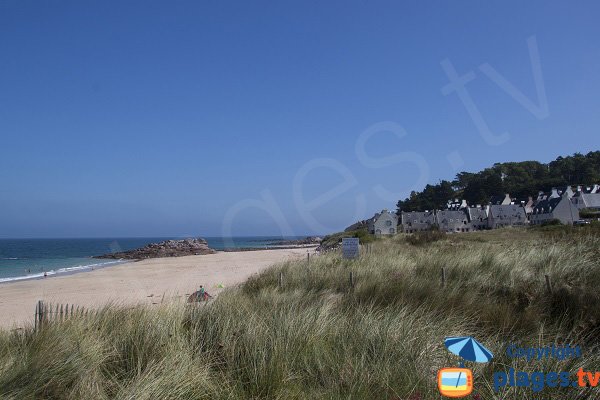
(216,118)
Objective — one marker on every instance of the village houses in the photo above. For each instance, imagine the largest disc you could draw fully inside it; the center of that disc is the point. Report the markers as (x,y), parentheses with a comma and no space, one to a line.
(562,204)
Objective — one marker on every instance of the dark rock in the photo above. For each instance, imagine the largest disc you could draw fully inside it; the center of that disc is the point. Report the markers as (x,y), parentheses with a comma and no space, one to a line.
(168,248)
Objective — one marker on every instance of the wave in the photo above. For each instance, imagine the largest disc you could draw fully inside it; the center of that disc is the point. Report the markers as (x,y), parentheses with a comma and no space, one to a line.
(66,270)
(12,258)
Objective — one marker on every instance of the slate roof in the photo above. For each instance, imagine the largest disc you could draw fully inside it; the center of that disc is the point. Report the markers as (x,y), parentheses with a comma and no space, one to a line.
(546,206)
(591,199)
(498,211)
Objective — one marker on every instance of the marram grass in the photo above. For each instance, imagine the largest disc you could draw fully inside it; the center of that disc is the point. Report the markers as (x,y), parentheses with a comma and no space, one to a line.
(317,337)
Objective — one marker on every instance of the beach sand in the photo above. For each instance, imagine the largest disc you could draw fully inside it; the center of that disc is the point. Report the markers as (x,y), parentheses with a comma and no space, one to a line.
(142,282)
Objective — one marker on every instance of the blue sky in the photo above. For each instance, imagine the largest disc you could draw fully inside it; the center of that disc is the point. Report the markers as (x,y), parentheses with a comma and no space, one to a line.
(145,118)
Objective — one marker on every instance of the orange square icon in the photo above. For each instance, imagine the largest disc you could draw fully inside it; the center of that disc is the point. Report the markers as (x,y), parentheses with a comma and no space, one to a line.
(455,382)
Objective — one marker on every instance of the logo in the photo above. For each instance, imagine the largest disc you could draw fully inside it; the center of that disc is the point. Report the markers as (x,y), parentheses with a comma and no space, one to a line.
(458,382)
(455,382)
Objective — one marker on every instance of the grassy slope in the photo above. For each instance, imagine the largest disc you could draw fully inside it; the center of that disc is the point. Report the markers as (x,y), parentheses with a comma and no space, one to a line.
(317,338)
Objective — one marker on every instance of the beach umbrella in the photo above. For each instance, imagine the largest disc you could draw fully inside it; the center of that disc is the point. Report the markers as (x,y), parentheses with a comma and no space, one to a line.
(468,348)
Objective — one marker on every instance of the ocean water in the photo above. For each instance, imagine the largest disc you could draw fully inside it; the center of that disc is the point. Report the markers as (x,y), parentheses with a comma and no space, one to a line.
(30,258)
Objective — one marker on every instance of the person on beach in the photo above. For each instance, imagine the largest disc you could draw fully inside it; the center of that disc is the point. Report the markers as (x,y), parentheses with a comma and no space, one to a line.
(201,292)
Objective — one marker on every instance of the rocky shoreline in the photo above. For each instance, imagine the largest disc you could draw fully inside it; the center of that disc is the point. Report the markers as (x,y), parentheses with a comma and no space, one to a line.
(168,248)
(199,246)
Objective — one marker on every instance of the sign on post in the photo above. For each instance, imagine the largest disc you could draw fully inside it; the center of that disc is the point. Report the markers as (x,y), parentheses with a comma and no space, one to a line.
(350,247)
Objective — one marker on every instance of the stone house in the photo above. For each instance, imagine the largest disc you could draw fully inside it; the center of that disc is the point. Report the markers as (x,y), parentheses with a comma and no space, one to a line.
(560,208)
(456,220)
(503,215)
(587,198)
(478,218)
(417,221)
(383,223)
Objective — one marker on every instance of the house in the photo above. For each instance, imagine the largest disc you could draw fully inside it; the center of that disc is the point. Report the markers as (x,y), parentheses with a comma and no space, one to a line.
(417,221)
(587,198)
(503,215)
(560,208)
(478,218)
(454,220)
(383,223)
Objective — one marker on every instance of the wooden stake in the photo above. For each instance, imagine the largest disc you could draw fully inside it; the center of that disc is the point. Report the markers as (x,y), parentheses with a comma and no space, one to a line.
(443,277)
(35,318)
(351,280)
(281,279)
(548,283)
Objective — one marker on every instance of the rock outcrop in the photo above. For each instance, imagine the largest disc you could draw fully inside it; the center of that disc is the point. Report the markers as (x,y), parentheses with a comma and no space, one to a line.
(168,248)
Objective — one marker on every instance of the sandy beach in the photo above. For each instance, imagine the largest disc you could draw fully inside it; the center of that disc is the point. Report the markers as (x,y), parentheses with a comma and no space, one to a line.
(142,282)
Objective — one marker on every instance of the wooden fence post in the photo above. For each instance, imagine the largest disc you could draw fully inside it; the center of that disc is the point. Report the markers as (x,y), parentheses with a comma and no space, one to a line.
(351,280)
(443,277)
(281,279)
(308,258)
(38,314)
(548,283)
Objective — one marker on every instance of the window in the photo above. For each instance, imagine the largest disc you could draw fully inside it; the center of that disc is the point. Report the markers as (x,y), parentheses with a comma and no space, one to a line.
(392,230)
(388,223)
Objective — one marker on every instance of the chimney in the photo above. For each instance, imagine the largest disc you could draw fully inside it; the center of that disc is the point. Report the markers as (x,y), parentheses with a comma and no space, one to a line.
(596,189)
(554,193)
(579,188)
(540,196)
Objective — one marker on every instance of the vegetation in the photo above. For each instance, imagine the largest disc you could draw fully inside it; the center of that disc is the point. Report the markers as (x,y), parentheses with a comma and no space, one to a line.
(333,240)
(317,337)
(520,179)
(589,213)
(424,237)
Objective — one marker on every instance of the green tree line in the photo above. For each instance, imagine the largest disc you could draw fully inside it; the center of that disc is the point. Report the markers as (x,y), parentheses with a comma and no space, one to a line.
(520,179)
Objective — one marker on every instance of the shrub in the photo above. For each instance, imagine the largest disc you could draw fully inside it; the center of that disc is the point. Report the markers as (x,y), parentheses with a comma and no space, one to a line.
(333,240)
(429,236)
(551,222)
(589,213)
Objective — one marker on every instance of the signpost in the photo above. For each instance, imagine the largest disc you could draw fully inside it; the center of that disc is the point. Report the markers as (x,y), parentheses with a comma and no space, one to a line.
(350,248)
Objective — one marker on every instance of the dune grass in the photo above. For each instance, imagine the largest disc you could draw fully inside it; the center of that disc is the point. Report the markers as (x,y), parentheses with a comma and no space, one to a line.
(318,337)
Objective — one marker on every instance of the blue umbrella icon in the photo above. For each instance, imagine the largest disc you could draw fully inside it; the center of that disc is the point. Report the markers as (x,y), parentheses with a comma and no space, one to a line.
(469,349)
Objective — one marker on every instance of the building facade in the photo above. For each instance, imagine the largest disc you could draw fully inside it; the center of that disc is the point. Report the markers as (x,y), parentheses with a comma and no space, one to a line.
(504,215)
(417,221)
(453,220)
(383,223)
(560,208)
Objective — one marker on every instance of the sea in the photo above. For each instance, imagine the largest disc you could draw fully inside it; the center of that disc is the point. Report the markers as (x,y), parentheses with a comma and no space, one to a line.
(22,259)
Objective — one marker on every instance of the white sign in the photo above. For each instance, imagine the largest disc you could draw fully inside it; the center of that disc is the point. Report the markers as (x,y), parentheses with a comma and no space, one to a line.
(350,247)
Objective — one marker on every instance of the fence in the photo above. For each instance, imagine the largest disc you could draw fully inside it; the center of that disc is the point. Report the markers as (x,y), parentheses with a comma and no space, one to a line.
(47,313)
